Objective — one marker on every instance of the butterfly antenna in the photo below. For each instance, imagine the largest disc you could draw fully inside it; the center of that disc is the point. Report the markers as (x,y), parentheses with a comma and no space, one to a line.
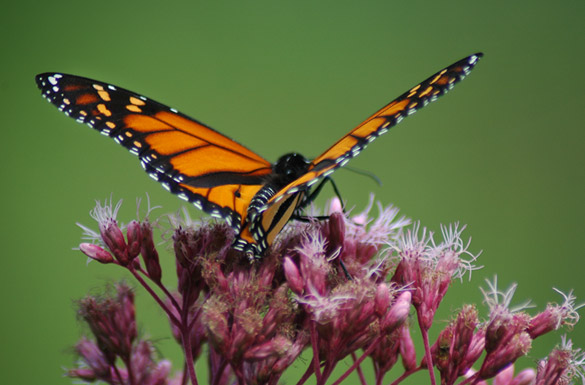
(369,174)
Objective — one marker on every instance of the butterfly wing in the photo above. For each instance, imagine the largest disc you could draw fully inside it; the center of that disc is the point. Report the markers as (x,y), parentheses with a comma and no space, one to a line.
(272,217)
(187,157)
(379,123)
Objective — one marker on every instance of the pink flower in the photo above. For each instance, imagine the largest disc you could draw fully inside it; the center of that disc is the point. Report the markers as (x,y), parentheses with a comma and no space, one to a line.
(555,316)
(111,320)
(341,287)
(428,268)
(562,365)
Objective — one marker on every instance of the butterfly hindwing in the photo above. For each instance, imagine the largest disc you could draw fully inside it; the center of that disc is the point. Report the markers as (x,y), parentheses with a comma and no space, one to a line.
(188,158)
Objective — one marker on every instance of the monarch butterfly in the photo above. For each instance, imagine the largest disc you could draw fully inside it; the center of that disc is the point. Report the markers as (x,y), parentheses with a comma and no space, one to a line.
(216,174)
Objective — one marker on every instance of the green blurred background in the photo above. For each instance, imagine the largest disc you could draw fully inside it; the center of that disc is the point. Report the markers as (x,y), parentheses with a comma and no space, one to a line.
(503,153)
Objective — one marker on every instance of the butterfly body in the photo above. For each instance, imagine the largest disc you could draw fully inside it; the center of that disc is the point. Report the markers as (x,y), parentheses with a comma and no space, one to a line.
(213,172)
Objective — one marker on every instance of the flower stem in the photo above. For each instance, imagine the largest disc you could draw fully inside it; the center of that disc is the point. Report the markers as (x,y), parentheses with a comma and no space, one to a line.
(188,356)
(144,284)
(306,375)
(185,375)
(118,373)
(404,376)
(314,345)
(219,372)
(130,371)
(186,340)
(359,371)
(357,362)
(428,357)
(164,290)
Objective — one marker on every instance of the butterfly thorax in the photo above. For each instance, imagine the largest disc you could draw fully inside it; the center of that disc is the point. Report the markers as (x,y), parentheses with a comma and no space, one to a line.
(288,168)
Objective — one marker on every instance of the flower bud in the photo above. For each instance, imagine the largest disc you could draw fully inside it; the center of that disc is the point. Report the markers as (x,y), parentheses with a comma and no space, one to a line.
(407,349)
(183,252)
(546,321)
(293,276)
(398,313)
(149,253)
(505,355)
(99,367)
(382,299)
(96,252)
(335,206)
(114,239)
(134,239)
(336,231)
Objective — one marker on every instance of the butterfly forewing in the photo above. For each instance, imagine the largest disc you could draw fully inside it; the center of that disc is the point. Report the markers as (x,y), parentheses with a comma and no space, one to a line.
(201,165)
(379,123)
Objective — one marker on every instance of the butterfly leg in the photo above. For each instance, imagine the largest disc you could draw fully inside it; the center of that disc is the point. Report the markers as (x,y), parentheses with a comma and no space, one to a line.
(312,196)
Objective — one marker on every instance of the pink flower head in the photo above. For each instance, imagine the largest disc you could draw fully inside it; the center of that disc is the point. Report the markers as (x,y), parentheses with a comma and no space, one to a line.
(249,323)
(554,316)
(562,365)
(111,320)
(506,338)
(97,365)
(110,232)
(452,353)
(197,248)
(366,236)
(428,268)
(328,285)
(145,370)
(111,236)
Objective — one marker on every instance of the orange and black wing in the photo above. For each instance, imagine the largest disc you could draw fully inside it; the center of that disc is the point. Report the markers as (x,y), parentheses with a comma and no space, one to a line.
(379,123)
(200,165)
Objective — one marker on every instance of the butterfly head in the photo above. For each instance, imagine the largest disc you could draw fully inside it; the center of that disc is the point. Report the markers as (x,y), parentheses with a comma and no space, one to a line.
(289,167)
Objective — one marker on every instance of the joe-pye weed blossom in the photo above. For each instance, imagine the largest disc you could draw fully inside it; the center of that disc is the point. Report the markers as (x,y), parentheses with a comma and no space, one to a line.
(342,287)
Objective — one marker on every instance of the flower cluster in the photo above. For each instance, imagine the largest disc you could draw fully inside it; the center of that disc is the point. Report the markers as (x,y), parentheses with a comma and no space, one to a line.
(340,287)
